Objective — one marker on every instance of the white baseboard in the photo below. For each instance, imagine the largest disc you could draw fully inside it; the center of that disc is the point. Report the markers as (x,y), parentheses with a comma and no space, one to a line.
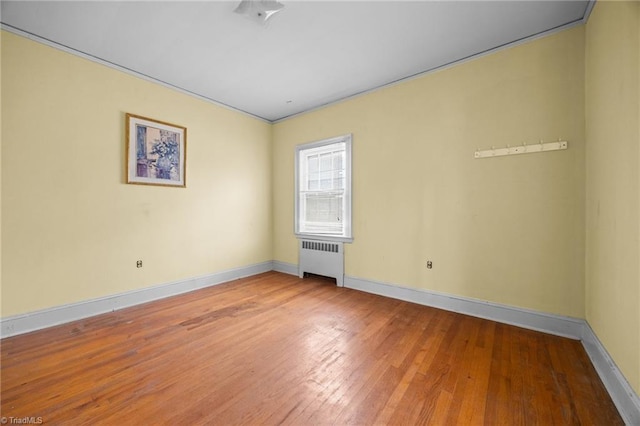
(285,267)
(621,392)
(19,324)
(548,323)
(624,397)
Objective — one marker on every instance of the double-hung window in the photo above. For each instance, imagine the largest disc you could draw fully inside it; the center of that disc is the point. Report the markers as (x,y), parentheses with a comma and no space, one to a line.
(323,189)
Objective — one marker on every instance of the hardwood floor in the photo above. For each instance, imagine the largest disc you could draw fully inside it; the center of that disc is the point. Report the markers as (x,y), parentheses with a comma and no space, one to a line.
(274,349)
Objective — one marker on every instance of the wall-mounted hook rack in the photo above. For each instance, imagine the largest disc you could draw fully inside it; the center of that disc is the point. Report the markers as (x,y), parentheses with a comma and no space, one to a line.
(522,149)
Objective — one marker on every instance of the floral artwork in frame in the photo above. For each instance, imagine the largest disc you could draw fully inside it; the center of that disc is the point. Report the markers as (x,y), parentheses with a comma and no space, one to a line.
(156,152)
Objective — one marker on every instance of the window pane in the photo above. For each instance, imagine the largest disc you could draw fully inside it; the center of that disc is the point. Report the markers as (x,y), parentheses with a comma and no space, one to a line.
(323,213)
(325,162)
(338,160)
(325,180)
(313,163)
(338,183)
(314,181)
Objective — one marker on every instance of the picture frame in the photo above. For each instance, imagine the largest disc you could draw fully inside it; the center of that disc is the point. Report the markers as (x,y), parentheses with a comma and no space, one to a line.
(156,152)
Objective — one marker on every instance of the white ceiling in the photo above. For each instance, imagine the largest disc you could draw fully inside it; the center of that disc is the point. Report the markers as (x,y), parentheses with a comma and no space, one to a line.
(310,54)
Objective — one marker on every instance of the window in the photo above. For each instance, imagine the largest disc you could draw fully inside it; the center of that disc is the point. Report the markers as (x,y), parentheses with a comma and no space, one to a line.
(323,189)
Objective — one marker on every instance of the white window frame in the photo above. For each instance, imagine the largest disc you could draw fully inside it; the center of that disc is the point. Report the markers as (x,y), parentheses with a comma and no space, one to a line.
(347,235)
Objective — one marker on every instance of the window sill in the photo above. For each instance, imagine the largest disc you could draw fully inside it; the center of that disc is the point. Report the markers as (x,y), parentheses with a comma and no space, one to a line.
(324,238)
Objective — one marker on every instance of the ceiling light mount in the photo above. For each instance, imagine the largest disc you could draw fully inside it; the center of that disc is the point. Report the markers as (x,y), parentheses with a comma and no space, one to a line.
(258,10)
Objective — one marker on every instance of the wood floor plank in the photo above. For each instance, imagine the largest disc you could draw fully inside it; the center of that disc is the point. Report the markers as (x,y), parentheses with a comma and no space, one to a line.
(275,349)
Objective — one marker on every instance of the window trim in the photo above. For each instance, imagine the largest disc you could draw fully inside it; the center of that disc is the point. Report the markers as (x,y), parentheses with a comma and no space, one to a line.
(348,210)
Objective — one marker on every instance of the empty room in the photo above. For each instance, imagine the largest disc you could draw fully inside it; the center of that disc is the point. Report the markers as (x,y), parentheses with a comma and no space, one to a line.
(320,212)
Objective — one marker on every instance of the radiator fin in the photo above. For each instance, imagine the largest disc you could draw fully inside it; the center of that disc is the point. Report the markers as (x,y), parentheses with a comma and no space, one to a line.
(320,246)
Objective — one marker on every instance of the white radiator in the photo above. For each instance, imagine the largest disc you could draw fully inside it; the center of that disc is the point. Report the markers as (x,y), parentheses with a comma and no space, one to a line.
(322,258)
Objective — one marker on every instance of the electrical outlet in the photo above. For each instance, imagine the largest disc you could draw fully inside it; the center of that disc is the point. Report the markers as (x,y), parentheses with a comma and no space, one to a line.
(429,264)
(139,264)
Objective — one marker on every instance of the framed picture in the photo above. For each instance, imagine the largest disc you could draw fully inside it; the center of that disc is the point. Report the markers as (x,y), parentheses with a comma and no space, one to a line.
(156,152)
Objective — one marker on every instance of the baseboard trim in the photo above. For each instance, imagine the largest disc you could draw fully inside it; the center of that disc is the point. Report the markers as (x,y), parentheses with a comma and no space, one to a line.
(37,320)
(533,320)
(621,392)
(624,397)
(285,267)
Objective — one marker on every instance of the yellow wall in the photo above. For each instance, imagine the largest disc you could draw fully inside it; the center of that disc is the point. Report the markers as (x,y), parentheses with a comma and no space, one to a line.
(508,230)
(1,314)
(72,229)
(613,181)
